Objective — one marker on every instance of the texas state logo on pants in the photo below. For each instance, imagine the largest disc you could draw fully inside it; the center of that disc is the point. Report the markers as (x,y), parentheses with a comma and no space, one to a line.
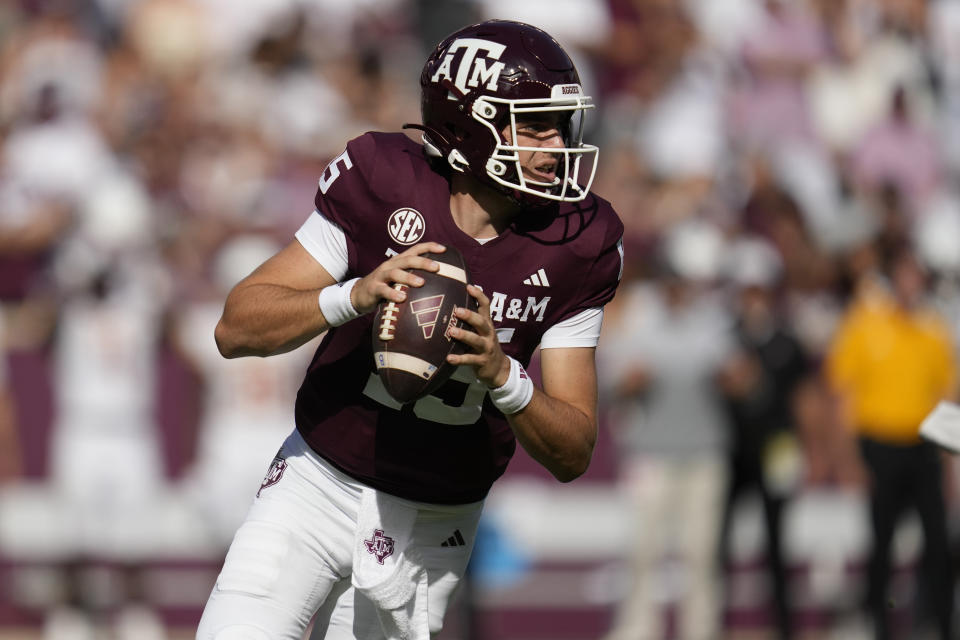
(274,473)
(380,545)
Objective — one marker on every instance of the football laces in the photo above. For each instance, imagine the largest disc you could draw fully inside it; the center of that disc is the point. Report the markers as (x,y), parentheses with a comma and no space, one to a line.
(388,321)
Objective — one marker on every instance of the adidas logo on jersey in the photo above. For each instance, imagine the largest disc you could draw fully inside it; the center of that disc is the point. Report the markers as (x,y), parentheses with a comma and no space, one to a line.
(456,540)
(539,279)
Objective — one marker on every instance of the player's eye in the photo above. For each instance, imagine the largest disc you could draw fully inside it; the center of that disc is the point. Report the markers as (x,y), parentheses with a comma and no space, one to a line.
(538,129)
(547,124)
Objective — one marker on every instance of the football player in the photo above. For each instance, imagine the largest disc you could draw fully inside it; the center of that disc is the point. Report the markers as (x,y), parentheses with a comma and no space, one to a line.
(367,515)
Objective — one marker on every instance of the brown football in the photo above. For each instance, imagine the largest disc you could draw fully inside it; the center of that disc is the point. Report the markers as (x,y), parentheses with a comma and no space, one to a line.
(411,339)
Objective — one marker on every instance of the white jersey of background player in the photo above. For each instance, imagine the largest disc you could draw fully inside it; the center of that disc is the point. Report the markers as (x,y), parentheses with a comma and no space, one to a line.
(105,457)
(247,404)
(106,464)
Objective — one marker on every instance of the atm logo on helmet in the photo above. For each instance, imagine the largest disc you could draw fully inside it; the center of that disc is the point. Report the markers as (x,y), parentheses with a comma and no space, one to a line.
(477,64)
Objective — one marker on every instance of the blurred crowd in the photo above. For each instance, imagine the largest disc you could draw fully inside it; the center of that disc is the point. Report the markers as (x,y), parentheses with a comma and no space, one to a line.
(783,168)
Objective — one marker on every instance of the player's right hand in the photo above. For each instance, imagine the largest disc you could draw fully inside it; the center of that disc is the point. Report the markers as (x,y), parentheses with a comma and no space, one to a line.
(378,284)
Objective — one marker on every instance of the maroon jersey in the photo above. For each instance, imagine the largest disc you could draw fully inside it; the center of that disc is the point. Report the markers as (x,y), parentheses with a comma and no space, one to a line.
(448,447)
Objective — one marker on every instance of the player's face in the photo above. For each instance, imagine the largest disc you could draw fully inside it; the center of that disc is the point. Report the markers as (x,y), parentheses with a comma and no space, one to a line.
(545,133)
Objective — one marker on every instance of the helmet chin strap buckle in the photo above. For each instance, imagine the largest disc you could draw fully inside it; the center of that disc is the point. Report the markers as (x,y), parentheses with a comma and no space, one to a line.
(457,161)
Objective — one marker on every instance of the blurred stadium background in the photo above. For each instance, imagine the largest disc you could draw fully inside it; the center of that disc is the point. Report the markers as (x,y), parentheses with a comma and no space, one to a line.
(153,151)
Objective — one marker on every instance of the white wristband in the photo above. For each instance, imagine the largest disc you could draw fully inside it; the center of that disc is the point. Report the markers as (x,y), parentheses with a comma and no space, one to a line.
(515,393)
(335,303)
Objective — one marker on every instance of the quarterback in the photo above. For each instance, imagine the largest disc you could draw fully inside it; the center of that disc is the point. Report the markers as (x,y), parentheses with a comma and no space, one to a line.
(366,518)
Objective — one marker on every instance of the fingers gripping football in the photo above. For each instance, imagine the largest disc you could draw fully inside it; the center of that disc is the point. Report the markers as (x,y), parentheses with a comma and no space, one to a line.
(485,356)
(380,283)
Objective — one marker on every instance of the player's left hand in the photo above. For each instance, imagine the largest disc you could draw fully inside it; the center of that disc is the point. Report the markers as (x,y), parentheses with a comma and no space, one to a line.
(485,355)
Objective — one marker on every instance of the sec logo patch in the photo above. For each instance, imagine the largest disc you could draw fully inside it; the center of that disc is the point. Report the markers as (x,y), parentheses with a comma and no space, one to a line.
(406,226)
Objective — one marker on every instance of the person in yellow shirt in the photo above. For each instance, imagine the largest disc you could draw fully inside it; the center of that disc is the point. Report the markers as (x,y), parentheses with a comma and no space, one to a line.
(891,361)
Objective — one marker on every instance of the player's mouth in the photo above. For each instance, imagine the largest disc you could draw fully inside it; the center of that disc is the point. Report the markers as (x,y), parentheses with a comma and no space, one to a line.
(543,172)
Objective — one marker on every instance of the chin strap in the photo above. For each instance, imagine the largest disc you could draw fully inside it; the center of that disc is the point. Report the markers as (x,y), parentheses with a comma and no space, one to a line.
(431,148)
(455,159)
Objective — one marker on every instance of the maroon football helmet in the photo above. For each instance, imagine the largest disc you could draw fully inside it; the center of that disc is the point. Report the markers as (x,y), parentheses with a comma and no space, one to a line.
(490,76)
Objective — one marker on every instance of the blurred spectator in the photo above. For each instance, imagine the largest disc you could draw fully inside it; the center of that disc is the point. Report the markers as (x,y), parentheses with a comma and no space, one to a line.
(808,271)
(891,362)
(872,52)
(647,44)
(900,152)
(769,106)
(760,381)
(681,131)
(659,361)
(53,152)
(49,62)
(105,461)
(105,467)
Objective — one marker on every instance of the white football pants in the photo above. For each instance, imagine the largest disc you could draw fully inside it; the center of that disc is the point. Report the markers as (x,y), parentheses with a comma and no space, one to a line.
(293,556)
